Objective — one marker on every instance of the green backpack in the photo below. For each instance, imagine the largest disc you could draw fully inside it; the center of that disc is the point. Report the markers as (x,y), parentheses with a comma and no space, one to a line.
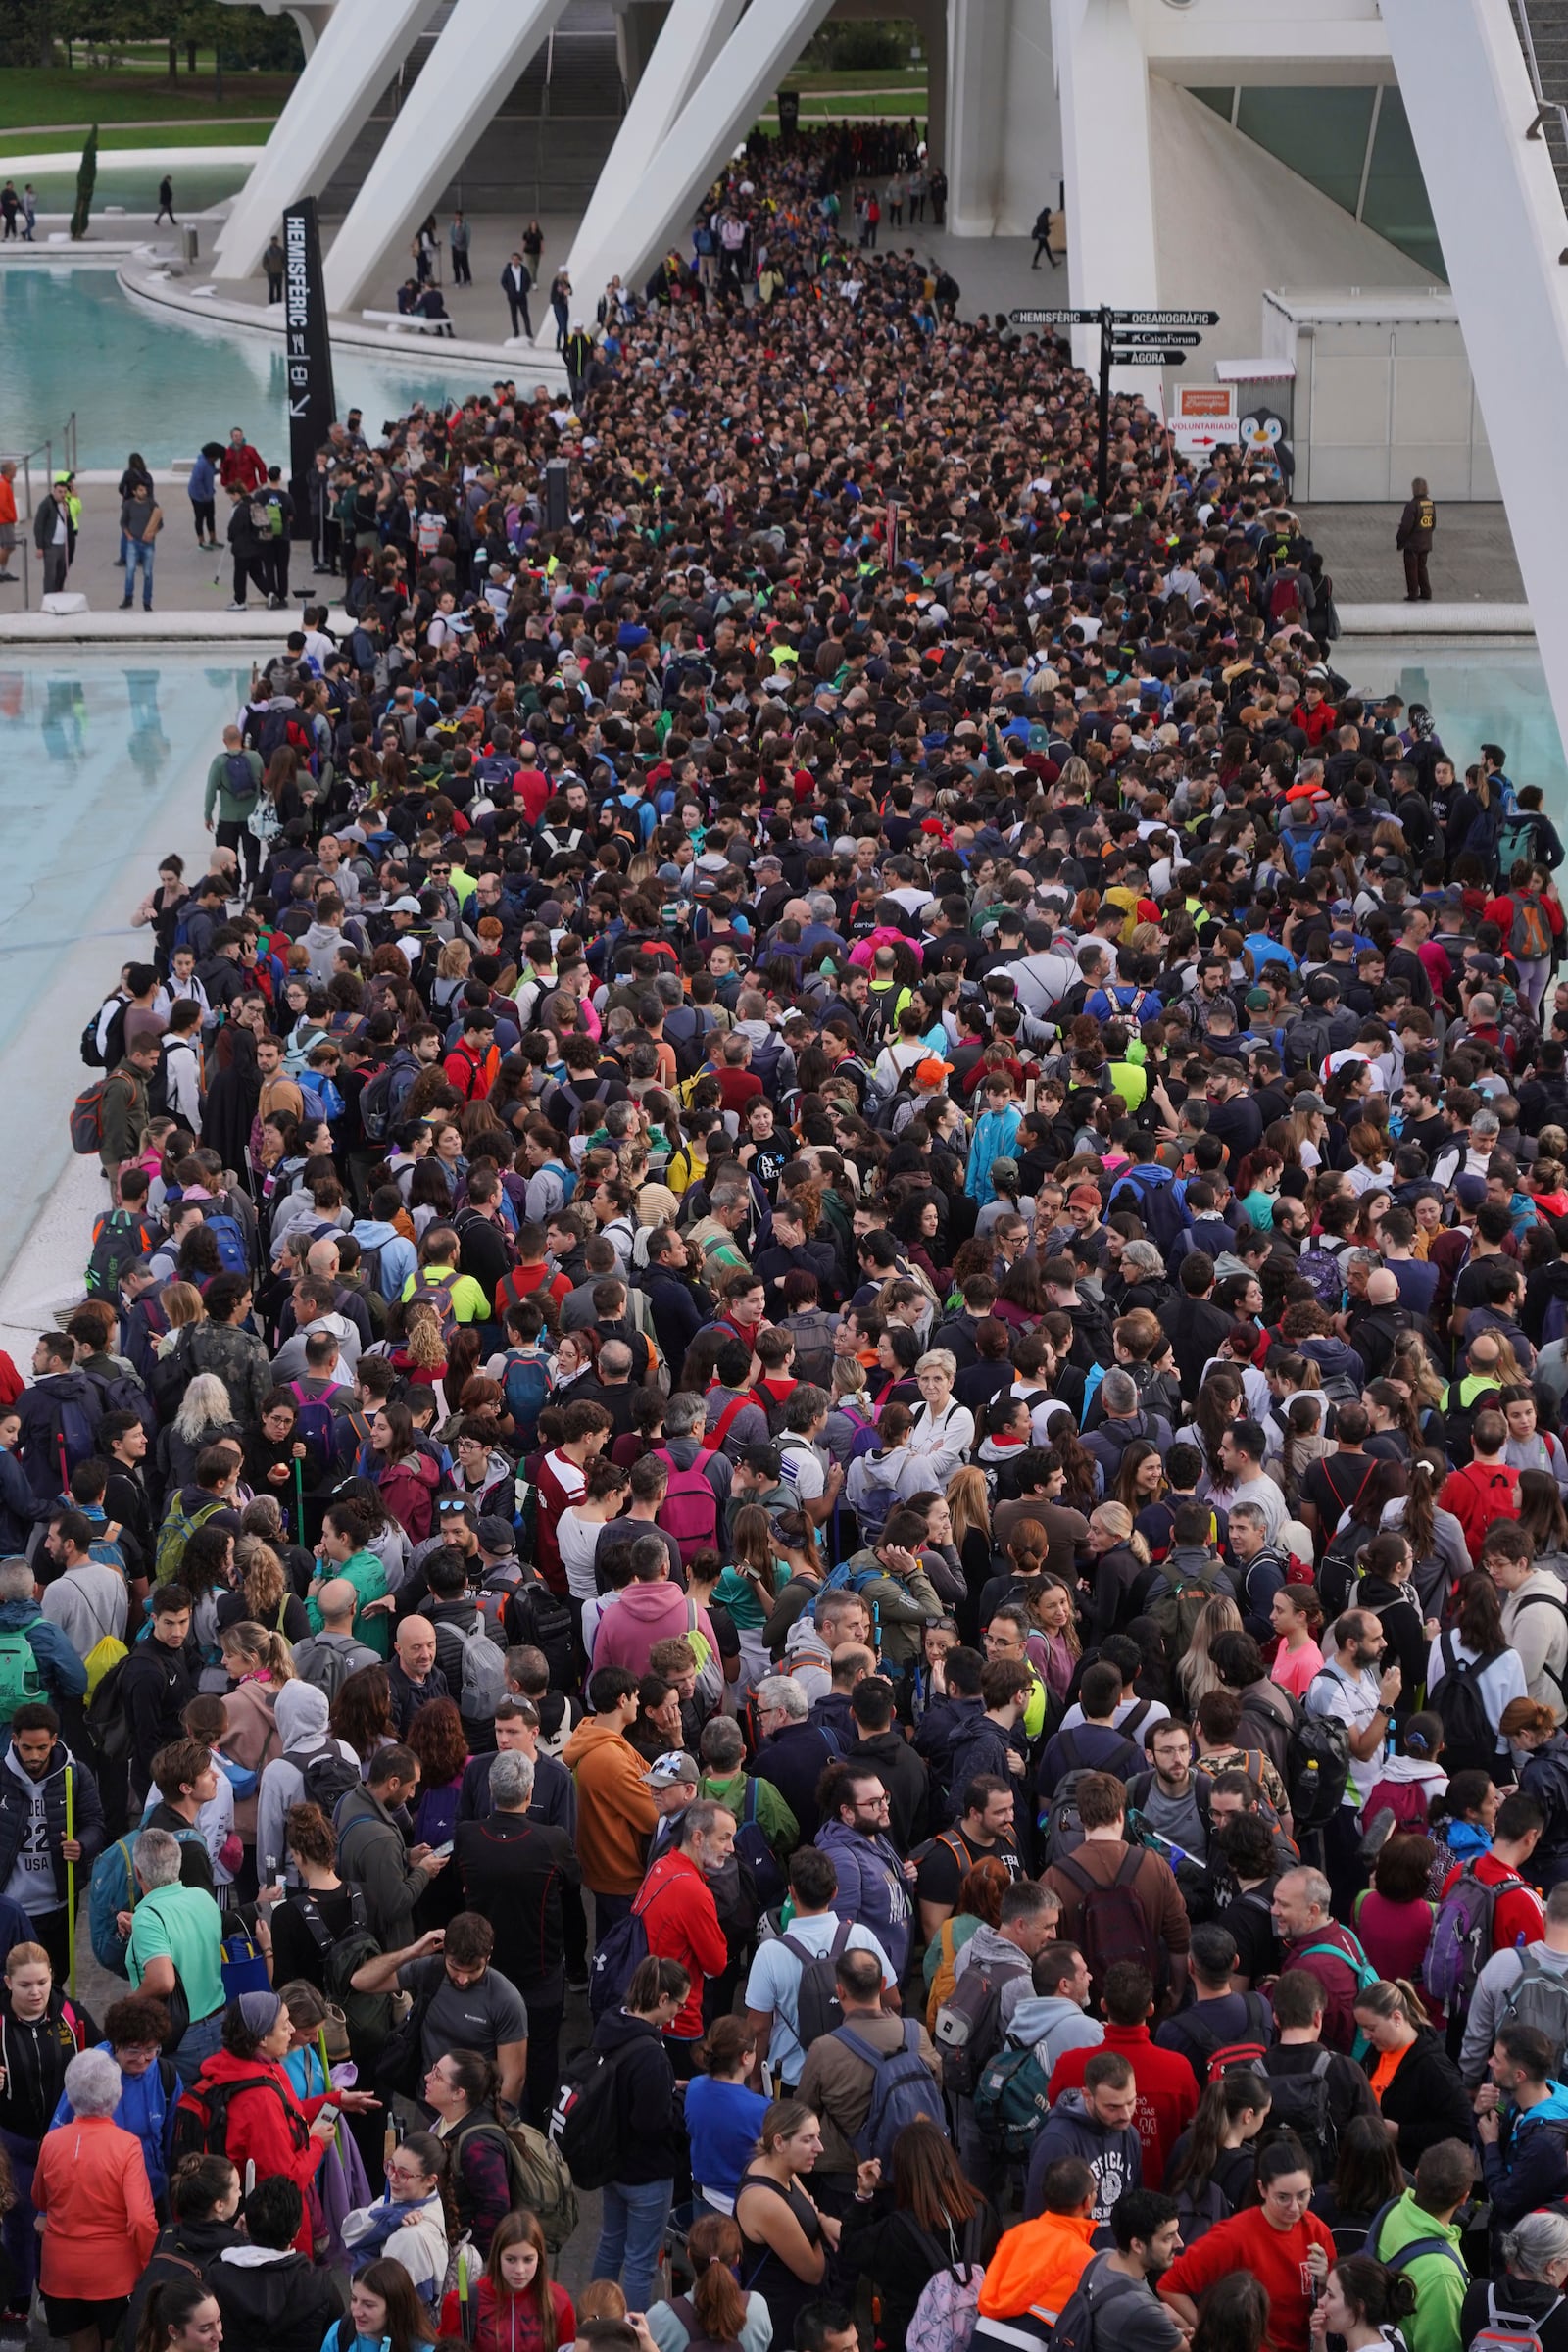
(174,1536)
(1011,2100)
(19,1670)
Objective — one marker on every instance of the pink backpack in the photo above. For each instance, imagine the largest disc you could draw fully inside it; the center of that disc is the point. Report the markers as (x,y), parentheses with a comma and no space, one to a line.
(689,1511)
(1406,1801)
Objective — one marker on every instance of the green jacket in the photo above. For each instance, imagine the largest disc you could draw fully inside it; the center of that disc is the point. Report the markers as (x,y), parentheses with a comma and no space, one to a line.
(899,1608)
(367,1573)
(230,810)
(1439,2279)
(774,1817)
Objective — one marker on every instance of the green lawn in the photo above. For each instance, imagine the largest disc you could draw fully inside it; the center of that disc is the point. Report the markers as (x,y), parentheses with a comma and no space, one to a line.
(34,97)
(870,78)
(219,131)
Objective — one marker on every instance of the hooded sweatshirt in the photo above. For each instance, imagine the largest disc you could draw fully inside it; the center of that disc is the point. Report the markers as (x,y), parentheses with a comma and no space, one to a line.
(301,1712)
(251,1740)
(399,1257)
(1048,2024)
(1114,2158)
(1527,2165)
(278,2299)
(616,1809)
(644,1615)
(1033,2273)
(871,1888)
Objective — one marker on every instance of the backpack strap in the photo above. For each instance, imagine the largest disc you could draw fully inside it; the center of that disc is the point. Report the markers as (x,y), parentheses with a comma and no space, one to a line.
(1129,1869)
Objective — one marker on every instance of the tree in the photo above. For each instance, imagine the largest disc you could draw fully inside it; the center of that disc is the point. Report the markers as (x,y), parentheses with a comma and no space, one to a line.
(87,179)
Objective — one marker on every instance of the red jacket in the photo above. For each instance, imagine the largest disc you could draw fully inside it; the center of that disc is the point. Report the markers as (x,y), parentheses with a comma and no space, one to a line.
(242,465)
(472,1074)
(680,1918)
(270,2129)
(1517,1917)
(1168,2091)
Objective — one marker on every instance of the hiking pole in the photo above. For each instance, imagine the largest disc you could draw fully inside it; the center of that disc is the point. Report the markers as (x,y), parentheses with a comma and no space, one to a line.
(326,2078)
(299,1502)
(70,1882)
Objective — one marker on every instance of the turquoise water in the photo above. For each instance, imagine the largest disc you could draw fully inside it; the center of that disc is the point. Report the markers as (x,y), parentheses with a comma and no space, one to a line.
(142,380)
(1479,691)
(135,185)
(103,760)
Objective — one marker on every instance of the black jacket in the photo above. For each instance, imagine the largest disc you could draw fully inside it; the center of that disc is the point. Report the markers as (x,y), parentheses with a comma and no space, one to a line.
(515,1871)
(1426,2099)
(652,2144)
(16,1813)
(154,1690)
(279,2300)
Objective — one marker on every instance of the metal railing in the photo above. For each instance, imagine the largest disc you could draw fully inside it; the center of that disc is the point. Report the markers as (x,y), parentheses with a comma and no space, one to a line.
(1547,109)
(23,460)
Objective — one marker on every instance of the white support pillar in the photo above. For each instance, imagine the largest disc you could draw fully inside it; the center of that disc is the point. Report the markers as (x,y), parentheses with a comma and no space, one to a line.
(360,47)
(694,34)
(1500,223)
(710,124)
(978,34)
(484,45)
(1111,251)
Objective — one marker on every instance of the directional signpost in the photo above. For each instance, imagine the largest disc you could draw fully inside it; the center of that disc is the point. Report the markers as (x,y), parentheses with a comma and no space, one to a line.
(1127,340)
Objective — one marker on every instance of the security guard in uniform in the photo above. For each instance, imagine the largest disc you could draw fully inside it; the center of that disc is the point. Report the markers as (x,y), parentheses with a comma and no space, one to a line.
(1414,540)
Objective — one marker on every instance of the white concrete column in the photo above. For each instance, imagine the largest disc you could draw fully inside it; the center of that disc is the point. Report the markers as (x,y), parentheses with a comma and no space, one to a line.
(361,45)
(311,16)
(484,45)
(978,34)
(1500,223)
(710,124)
(1109,170)
(694,34)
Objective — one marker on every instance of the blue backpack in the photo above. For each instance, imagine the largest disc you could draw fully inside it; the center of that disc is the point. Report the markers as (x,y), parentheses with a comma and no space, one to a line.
(1301,847)
(903,2090)
(112,1889)
(526,1385)
(230,1235)
(567,1177)
(1164,1214)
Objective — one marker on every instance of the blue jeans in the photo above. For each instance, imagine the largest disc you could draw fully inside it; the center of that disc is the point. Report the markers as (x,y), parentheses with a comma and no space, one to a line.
(139,558)
(632,2232)
(200,2043)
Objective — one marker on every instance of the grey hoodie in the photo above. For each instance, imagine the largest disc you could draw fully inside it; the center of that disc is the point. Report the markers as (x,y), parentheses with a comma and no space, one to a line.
(1050,2025)
(321,942)
(300,1712)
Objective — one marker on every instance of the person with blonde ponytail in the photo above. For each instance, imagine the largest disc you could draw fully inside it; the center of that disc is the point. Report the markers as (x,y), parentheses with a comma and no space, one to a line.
(1122,1572)
(1414,2081)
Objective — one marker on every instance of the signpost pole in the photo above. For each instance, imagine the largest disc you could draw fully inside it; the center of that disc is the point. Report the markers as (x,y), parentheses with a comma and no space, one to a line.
(312,402)
(1102,476)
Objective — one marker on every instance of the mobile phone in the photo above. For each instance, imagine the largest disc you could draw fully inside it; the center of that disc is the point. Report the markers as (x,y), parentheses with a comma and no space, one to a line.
(443,1850)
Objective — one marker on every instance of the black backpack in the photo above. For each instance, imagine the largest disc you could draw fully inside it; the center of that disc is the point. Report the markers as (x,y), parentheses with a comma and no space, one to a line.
(1317,1766)
(328,1777)
(366,2015)
(1469,1742)
(817,2007)
(1299,2103)
(585,2120)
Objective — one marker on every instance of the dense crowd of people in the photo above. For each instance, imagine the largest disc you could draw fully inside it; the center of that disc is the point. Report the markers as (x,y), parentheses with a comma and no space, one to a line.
(813,1471)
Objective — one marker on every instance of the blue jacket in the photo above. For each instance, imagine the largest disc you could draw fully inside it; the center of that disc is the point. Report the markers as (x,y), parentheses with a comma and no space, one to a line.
(146,2110)
(1527,2164)
(203,480)
(59,1670)
(872,1889)
(996,1136)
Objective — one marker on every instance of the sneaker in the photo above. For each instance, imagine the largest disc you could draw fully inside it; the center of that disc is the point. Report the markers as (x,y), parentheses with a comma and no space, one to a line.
(239,607)
(8,576)
(126,603)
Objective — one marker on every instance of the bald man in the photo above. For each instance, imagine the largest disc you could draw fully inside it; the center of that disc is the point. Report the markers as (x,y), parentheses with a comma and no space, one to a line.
(413,1673)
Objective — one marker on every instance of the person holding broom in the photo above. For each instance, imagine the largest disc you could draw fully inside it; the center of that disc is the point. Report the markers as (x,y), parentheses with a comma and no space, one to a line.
(51,1828)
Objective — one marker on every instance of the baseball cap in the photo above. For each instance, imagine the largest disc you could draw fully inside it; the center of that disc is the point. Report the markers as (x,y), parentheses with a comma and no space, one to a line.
(404,906)
(1470,1191)
(1005,1166)
(667,1770)
(1342,939)
(1302,1104)
(1084,1196)
(1258,1000)
(496,1534)
(931,1072)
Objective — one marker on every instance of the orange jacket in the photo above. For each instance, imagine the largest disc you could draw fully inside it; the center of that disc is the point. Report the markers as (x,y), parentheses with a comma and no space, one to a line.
(1036,2267)
(615,1810)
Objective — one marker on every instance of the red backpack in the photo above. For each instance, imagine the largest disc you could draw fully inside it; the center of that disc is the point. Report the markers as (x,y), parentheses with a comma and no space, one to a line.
(689,1511)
